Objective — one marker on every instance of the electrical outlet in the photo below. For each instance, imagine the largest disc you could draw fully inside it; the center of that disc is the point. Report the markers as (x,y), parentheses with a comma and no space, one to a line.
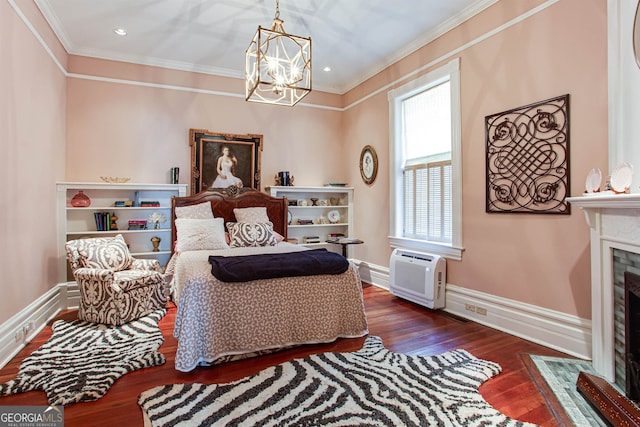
(470,307)
(481,310)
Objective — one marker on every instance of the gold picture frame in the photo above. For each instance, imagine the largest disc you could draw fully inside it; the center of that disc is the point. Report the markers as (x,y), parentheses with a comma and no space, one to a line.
(368,164)
(243,153)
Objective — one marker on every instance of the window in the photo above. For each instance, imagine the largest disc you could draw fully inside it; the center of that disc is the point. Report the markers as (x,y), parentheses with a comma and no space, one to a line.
(425,163)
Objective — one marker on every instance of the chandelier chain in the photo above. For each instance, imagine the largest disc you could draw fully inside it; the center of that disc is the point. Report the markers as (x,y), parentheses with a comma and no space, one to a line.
(277,9)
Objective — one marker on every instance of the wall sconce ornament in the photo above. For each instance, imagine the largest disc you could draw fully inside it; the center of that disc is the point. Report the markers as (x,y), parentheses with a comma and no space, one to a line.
(528,158)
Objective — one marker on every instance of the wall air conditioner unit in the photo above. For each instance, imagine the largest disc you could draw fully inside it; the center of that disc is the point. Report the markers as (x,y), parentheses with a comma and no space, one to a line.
(418,277)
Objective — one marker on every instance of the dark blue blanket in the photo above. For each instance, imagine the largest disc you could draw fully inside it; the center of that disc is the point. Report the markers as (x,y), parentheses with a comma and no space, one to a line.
(270,266)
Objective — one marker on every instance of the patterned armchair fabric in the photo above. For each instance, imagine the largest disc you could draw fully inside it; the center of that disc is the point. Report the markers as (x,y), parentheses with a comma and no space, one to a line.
(115,288)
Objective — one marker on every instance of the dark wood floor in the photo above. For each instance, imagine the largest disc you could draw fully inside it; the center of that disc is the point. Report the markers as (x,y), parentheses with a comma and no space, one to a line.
(403,326)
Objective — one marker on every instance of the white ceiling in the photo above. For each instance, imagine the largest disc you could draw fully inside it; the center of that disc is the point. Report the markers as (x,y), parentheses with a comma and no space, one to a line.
(356,38)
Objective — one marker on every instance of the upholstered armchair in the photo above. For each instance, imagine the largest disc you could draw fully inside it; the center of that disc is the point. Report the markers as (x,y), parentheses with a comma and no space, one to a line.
(115,288)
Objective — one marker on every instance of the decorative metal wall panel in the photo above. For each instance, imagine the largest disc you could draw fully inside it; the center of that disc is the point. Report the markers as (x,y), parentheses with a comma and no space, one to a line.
(528,158)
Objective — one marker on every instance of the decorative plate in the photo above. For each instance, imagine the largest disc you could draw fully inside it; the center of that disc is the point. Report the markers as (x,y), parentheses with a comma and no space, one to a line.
(290,217)
(333,216)
(621,177)
(594,179)
(368,164)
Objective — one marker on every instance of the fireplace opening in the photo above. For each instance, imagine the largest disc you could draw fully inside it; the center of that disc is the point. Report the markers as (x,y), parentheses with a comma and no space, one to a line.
(632,335)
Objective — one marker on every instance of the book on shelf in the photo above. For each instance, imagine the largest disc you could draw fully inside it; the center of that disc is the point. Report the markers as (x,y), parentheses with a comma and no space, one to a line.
(103,221)
(312,239)
(123,203)
(137,224)
(149,204)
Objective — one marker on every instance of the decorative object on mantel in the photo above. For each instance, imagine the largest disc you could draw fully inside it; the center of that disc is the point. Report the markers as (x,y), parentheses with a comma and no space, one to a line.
(156,218)
(368,164)
(155,241)
(621,177)
(114,179)
(528,158)
(636,35)
(277,65)
(284,179)
(593,182)
(80,200)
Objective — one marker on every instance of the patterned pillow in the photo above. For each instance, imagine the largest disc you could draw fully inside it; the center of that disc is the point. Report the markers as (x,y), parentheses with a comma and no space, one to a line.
(251,215)
(251,234)
(200,234)
(111,255)
(199,211)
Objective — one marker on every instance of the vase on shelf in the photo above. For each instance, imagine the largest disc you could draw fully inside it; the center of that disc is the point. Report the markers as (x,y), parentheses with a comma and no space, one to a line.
(155,241)
(80,200)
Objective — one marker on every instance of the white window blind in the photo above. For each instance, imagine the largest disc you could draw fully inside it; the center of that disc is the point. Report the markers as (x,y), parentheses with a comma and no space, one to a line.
(428,201)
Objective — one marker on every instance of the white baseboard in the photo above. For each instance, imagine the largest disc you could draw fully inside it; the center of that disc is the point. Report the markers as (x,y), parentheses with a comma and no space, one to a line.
(553,329)
(21,328)
(550,328)
(373,274)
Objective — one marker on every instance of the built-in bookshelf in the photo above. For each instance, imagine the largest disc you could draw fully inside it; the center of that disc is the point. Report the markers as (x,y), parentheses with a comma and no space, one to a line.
(131,204)
(317,214)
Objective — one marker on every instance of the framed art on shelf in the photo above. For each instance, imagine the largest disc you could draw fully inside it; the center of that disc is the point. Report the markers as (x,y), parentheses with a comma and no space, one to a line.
(220,160)
(368,164)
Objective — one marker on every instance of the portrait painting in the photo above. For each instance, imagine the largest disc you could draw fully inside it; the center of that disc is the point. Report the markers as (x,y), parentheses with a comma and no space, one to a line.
(221,160)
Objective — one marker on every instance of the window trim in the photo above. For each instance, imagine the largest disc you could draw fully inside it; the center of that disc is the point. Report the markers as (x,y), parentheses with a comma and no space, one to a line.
(451,72)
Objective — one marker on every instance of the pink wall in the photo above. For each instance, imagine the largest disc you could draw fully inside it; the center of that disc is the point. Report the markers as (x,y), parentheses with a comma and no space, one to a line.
(123,128)
(141,132)
(537,259)
(32,135)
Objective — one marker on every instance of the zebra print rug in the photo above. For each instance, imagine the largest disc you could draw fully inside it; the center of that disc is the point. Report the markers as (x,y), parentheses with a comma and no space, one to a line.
(81,360)
(372,386)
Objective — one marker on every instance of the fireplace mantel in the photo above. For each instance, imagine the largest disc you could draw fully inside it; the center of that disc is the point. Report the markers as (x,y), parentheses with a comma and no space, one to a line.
(614,222)
(607,200)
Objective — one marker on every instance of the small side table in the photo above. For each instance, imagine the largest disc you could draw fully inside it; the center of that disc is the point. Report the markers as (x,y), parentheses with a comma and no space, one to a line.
(344,241)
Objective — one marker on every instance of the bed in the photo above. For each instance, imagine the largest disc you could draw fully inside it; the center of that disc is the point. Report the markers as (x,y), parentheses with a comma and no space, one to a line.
(219,321)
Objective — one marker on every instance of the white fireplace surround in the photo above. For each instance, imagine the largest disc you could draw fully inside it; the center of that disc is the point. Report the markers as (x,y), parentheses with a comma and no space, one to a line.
(614,222)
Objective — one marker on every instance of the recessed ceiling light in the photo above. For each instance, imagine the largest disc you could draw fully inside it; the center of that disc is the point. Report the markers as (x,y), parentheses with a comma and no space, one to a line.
(120,31)
(327,69)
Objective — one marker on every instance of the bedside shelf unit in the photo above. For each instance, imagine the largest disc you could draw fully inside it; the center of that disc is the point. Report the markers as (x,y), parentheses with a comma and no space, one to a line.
(76,223)
(342,198)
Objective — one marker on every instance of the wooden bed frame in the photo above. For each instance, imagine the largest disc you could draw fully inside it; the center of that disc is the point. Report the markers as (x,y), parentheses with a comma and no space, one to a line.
(224,202)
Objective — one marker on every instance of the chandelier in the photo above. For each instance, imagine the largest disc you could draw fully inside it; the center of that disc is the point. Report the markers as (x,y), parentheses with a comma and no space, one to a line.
(278,65)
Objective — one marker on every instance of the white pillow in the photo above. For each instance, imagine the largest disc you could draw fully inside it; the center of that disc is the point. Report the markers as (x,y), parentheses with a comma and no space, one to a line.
(199,211)
(200,234)
(251,215)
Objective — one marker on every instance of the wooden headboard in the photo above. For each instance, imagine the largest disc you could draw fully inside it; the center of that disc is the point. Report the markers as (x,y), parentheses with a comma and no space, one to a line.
(223,204)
